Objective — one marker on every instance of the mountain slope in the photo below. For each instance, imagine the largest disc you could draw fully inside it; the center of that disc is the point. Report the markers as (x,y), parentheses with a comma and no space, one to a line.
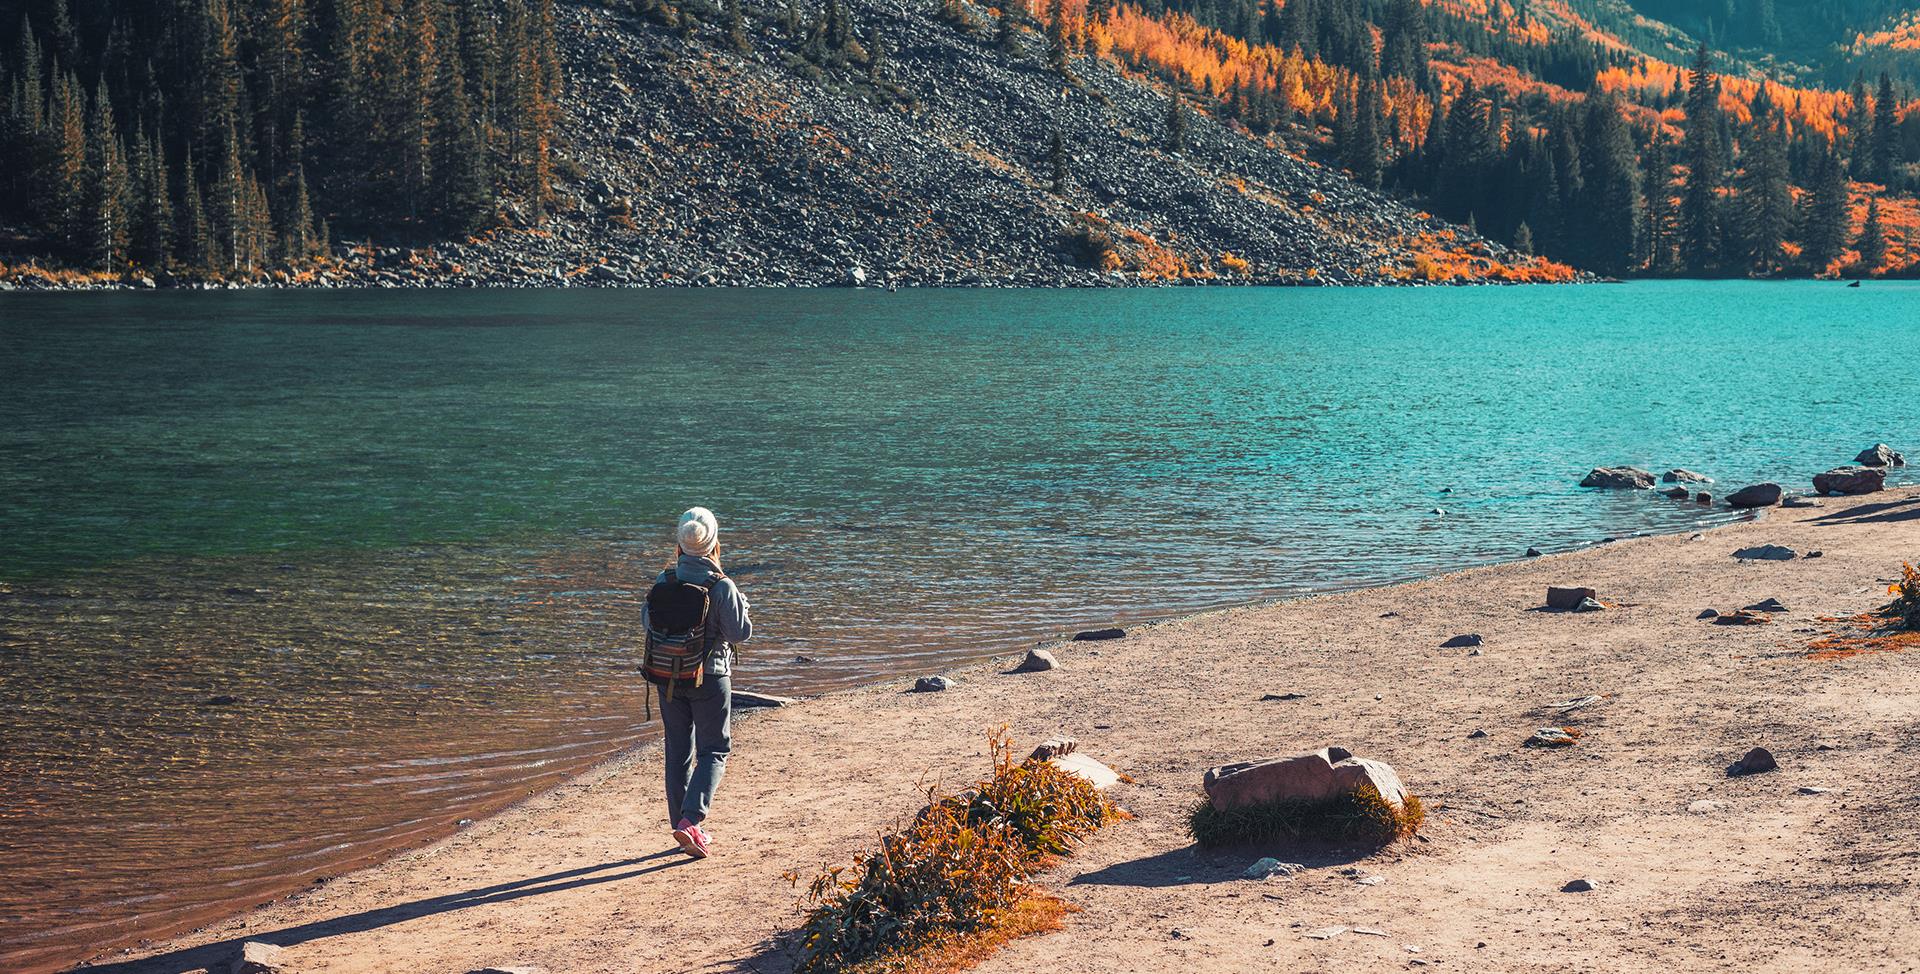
(683,161)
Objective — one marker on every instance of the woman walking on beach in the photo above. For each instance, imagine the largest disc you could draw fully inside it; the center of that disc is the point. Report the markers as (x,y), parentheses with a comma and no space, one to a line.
(693,617)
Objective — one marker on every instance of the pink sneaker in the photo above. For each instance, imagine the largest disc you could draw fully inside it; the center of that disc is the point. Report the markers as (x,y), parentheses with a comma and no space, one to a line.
(693,841)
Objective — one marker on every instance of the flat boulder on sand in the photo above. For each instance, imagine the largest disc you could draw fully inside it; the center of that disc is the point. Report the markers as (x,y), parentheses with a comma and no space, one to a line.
(1757,761)
(1851,480)
(1766,552)
(256,957)
(1618,478)
(1757,495)
(1087,769)
(1567,598)
(932,684)
(1097,635)
(1317,776)
(1880,455)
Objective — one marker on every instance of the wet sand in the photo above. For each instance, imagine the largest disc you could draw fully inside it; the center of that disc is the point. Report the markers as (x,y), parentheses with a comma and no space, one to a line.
(1693,870)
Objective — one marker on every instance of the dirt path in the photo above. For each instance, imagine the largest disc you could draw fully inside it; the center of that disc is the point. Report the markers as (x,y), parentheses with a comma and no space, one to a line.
(1693,870)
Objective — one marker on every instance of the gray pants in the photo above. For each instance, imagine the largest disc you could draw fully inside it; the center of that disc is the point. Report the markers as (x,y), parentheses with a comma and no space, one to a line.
(698,722)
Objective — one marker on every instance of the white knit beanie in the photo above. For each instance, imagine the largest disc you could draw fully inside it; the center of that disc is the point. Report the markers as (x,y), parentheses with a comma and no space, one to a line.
(699,533)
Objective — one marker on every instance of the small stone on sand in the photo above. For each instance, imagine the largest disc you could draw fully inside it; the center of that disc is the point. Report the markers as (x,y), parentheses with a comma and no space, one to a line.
(1578,886)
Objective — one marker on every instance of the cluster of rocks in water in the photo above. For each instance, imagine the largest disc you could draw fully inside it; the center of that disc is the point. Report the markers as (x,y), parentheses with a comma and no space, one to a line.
(684,163)
(1868,475)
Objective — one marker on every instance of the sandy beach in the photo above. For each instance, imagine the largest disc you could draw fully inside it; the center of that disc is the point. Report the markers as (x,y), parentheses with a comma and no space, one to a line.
(1692,869)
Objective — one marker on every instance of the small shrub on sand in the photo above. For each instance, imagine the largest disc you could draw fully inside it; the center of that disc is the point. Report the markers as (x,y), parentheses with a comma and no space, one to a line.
(1905,607)
(1360,816)
(952,883)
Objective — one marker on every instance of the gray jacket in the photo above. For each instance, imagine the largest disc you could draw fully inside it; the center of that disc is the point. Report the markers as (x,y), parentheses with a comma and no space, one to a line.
(726,610)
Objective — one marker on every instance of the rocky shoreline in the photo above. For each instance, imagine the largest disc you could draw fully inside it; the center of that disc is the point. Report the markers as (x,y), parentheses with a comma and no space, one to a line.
(1563,757)
(685,163)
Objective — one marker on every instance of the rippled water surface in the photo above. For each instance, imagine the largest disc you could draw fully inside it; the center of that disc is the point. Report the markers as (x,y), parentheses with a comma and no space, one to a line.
(288,581)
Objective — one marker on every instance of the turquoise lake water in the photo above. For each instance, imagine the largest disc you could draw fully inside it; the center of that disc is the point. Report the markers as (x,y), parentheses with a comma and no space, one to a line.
(406,531)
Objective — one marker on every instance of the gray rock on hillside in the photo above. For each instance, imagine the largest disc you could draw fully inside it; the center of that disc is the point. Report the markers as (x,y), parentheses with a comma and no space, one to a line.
(1851,481)
(1316,776)
(1681,475)
(1757,495)
(1618,478)
(1880,455)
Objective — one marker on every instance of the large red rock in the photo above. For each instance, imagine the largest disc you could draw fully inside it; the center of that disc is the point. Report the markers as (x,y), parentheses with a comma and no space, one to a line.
(1316,776)
(1851,480)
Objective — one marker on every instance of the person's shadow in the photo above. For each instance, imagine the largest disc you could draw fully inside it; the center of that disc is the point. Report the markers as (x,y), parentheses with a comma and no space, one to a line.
(216,956)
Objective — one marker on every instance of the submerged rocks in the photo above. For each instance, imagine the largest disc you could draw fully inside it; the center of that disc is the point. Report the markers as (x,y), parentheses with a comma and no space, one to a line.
(1756,495)
(1880,455)
(1568,599)
(1618,478)
(1533,552)
(1677,493)
(1756,761)
(1317,776)
(1681,475)
(1851,481)
(1767,552)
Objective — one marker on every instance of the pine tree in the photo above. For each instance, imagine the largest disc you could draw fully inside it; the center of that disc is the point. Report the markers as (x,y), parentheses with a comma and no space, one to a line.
(1886,134)
(1059,43)
(737,29)
(1176,121)
(151,242)
(195,241)
(1523,238)
(1364,155)
(107,189)
(1765,195)
(1827,221)
(1012,12)
(1057,158)
(877,59)
(1700,223)
(1610,187)
(1663,220)
(66,167)
(1859,131)
(1872,243)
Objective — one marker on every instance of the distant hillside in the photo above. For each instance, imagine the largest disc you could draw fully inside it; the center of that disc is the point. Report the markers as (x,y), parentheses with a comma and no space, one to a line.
(950,141)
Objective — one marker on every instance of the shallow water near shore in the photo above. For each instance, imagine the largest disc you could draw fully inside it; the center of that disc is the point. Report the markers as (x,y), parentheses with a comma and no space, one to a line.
(290,581)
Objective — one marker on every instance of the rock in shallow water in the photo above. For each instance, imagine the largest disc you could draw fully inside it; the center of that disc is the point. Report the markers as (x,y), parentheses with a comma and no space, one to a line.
(1757,495)
(1618,478)
(1681,475)
(1851,481)
(1880,455)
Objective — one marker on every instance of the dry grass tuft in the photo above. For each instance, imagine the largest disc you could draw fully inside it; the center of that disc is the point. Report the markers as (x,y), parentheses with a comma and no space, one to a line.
(1362,816)
(952,885)
(1893,628)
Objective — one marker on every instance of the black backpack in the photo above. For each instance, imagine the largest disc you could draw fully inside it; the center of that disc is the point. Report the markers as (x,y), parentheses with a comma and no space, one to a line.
(678,640)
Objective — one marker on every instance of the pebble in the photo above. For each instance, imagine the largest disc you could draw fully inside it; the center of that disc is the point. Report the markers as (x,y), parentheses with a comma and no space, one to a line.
(1813,790)
(1283,696)
(1476,735)
(1269,867)
(933,684)
(1578,886)
(1457,642)
(1038,660)
(1326,933)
